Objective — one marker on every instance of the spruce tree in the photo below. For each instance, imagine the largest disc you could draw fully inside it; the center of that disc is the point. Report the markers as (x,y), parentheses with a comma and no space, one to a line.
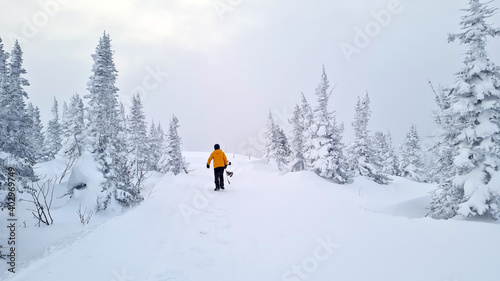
(363,159)
(308,121)
(36,137)
(324,152)
(105,135)
(172,160)
(411,164)
(3,72)
(277,149)
(283,151)
(73,128)
(385,154)
(442,167)
(54,133)
(269,148)
(139,148)
(298,140)
(15,123)
(468,115)
(64,119)
(156,139)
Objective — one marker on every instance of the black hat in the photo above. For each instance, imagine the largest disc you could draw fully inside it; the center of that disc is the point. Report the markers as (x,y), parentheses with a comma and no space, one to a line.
(216,146)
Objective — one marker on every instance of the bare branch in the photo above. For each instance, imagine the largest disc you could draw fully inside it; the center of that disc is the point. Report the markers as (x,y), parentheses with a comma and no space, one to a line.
(84,216)
(42,201)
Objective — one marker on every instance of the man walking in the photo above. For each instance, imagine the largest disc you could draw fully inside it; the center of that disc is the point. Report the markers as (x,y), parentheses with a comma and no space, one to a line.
(220,163)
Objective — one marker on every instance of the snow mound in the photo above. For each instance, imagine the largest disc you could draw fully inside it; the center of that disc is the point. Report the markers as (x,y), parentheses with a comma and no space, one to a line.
(84,184)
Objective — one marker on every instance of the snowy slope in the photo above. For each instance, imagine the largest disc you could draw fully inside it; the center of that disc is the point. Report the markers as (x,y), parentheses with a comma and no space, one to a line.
(266,225)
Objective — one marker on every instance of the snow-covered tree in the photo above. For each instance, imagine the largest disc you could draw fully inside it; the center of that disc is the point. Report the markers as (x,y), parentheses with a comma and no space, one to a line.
(324,152)
(36,137)
(277,150)
(122,117)
(139,148)
(411,164)
(4,72)
(469,115)
(298,141)
(15,123)
(53,142)
(73,128)
(302,120)
(156,139)
(385,154)
(363,160)
(283,152)
(64,118)
(308,119)
(172,160)
(104,133)
(269,148)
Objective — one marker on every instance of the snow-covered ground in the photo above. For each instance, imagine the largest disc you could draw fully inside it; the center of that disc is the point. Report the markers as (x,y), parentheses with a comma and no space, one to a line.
(266,225)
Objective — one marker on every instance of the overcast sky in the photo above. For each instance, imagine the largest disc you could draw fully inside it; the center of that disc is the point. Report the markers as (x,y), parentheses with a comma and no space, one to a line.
(221,65)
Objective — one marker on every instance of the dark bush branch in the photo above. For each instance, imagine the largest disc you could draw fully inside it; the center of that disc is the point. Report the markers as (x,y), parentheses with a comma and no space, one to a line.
(42,197)
(84,216)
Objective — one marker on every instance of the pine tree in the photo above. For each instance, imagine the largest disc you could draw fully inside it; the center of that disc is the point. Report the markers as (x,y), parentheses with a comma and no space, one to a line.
(283,151)
(385,154)
(172,160)
(411,165)
(4,158)
(156,139)
(442,167)
(15,123)
(36,137)
(269,147)
(277,150)
(64,119)
(122,117)
(138,142)
(324,152)
(469,117)
(73,128)
(54,134)
(308,133)
(3,72)
(105,135)
(298,140)
(363,159)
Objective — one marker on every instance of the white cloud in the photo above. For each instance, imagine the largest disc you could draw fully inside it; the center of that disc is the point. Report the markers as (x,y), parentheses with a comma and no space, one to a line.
(257,57)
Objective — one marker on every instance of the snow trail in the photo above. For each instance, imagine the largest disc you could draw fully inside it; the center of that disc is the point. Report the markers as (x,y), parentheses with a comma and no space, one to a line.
(268,225)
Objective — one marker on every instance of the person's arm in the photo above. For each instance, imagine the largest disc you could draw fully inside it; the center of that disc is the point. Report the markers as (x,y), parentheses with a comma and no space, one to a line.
(210,160)
(225,159)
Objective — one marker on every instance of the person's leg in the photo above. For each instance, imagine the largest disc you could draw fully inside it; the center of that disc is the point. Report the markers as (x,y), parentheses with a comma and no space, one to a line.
(221,179)
(216,176)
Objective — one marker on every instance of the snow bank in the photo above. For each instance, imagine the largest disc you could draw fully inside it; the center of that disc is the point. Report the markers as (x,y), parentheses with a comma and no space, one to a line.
(84,182)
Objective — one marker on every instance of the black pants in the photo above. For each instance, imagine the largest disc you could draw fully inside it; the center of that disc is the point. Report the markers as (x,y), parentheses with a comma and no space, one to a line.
(219,177)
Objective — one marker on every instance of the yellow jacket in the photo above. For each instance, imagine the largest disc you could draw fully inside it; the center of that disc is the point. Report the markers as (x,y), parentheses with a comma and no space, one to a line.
(219,158)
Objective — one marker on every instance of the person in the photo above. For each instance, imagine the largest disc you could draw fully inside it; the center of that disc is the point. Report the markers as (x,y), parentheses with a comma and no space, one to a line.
(220,163)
